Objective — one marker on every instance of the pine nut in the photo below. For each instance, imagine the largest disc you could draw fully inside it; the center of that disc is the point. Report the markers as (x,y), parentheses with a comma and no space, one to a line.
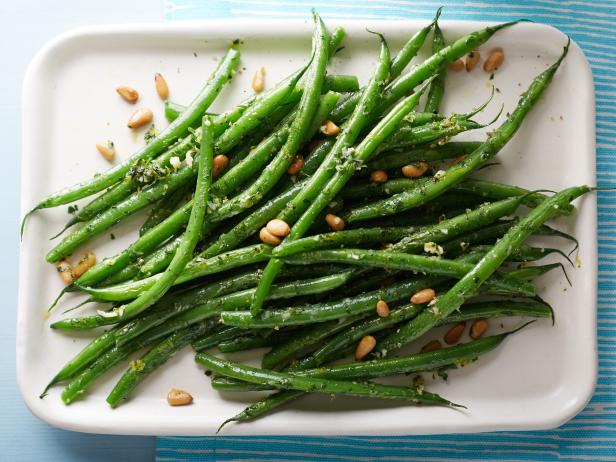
(107,150)
(329,128)
(431,346)
(179,397)
(296,166)
(128,94)
(453,335)
(268,238)
(85,263)
(161,86)
(382,309)
(258,80)
(378,176)
(278,228)
(140,118)
(456,66)
(335,223)
(494,61)
(478,328)
(65,271)
(219,164)
(415,171)
(423,296)
(471,60)
(364,347)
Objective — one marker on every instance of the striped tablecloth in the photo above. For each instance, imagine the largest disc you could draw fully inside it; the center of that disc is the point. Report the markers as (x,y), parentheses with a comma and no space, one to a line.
(589,436)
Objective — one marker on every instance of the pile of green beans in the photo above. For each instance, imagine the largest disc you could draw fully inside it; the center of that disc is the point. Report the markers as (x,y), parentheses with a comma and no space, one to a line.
(315,243)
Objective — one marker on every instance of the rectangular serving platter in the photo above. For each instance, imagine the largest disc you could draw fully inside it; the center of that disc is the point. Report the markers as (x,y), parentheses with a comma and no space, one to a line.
(539,378)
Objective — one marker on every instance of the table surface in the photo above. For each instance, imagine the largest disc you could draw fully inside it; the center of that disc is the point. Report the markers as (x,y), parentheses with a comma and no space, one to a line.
(25,26)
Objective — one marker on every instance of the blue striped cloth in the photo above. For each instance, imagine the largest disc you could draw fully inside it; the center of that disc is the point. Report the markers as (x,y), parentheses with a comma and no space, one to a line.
(589,436)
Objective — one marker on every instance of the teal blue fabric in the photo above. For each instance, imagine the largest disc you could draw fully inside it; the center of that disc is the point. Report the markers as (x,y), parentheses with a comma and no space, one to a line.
(589,436)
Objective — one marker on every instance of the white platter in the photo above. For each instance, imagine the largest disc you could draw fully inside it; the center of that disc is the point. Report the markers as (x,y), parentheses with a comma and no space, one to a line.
(539,378)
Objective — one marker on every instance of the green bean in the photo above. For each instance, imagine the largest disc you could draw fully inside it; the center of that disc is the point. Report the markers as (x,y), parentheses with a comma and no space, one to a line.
(498,309)
(256,113)
(437,87)
(142,246)
(399,158)
(113,215)
(469,284)
(458,225)
(191,235)
(331,184)
(345,340)
(340,83)
(175,304)
(263,406)
(198,267)
(213,339)
(492,190)
(176,129)
(530,273)
(410,48)
(287,381)
(344,239)
(279,356)
(406,137)
(399,87)
(453,355)
(401,261)
(419,362)
(258,156)
(84,358)
(173,110)
(489,233)
(243,343)
(297,132)
(429,188)
(154,358)
(326,311)
(78,385)
(236,300)
(165,207)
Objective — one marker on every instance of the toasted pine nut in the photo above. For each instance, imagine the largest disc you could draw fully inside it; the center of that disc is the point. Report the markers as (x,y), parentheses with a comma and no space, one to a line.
(65,271)
(478,328)
(329,128)
(85,263)
(365,346)
(219,164)
(296,166)
(415,171)
(494,60)
(382,309)
(128,94)
(471,60)
(258,80)
(268,238)
(179,397)
(107,150)
(423,296)
(378,176)
(140,118)
(278,228)
(431,346)
(335,223)
(453,335)
(161,86)
(456,66)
